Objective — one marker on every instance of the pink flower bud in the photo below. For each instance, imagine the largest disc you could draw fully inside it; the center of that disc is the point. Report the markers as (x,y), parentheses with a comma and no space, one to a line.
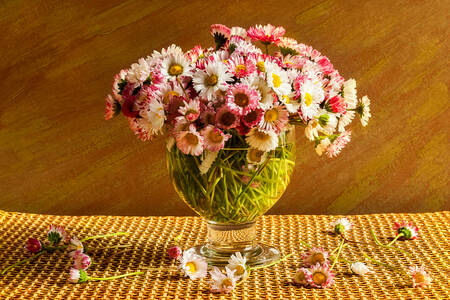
(174,252)
(81,261)
(33,245)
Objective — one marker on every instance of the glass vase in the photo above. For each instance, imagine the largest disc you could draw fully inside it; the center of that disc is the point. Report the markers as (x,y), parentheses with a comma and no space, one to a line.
(232,193)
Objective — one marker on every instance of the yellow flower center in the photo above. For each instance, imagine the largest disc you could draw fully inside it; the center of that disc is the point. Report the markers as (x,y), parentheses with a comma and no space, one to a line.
(191,111)
(286,99)
(211,80)
(191,139)
(300,276)
(191,268)
(227,283)
(240,68)
(262,136)
(276,80)
(241,99)
(419,277)
(319,278)
(317,258)
(175,70)
(239,270)
(260,66)
(215,137)
(167,96)
(271,115)
(308,99)
(254,155)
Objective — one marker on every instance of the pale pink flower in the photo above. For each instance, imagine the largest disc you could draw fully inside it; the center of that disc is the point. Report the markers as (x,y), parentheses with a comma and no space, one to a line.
(214,138)
(242,98)
(81,261)
(241,67)
(56,234)
(320,276)
(220,30)
(410,232)
(338,144)
(325,65)
(77,276)
(190,141)
(118,84)
(275,118)
(222,283)
(301,276)
(174,252)
(33,245)
(227,118)
(314,256)
(74,246)
(112,107)
(420,278)
(266,34)
(190,110)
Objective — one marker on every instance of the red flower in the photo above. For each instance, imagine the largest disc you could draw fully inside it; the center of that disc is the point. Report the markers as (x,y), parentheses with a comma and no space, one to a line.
(174,252)
(267,34)
(33,245)
(337,104)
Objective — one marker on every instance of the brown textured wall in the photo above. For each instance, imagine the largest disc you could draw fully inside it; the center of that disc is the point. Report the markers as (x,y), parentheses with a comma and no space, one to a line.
(58,155)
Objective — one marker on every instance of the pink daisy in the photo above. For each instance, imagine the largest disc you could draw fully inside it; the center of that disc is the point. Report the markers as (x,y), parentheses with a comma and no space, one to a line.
(214,138)
(320,276)
(338,144)
(410,232)
(118,84)
(190,110)
(301,276)
(241,67)
(208,116)
(33,245)
(420,278)
(81,261)
(314,256)
(227,118)
(288,46)
(56,234)
(275,119)
(253,118)
(266,34)
(112,107)
(243,129)
(140,129)
(242,98)
(325,65)
(190,141)
(337,104)
(174,252)
(195,53)
(221,34)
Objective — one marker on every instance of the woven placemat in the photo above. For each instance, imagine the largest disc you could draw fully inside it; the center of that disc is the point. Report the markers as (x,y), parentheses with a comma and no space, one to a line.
(46,277)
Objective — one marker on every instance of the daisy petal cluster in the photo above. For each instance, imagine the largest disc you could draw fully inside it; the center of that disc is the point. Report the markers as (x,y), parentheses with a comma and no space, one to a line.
(202,97)
(420,277)
(408,230)
(341,225)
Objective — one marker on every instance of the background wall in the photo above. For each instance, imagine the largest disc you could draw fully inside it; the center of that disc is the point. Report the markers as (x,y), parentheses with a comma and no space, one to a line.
(58,155)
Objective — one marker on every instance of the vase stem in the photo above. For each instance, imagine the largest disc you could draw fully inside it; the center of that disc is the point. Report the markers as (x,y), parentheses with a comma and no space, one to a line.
(231,238)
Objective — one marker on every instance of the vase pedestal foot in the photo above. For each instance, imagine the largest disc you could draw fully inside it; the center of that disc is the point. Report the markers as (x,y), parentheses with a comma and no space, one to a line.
(227,239)
(259,255)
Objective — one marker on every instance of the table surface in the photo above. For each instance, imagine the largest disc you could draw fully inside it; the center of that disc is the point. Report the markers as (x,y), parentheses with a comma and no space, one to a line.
(46,277)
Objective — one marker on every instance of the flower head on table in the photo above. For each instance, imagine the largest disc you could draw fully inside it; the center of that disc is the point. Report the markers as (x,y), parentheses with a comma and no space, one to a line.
(341,225)
(223,283)
(33,245)
(420,277)
(408,230)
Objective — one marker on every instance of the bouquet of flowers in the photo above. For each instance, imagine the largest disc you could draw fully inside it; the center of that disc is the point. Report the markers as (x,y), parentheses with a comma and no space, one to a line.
(227,112)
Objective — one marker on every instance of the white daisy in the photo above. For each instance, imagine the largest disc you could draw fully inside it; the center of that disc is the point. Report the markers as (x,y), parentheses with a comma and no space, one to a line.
(277,79)
(312,130)
(207,160)
(360,268)
(255,156)
(349,93)
(193,265)
(345,120)
(153,117)
(190,110)
(222,283)
(363,110)
(262,140)
(322,146)
(168,90)
(327,121)
(138,72)
(175,65)
(171,50)
(312,94)
(214,78)
(74,246)
(341,225)
(292,104)
(260,85)
(237,263)
(239,31)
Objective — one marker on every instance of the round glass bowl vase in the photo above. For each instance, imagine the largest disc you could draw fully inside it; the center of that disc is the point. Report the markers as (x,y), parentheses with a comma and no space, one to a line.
(231,194)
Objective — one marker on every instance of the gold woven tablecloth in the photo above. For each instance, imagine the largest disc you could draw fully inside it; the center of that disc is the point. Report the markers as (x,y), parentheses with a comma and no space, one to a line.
(46,277)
